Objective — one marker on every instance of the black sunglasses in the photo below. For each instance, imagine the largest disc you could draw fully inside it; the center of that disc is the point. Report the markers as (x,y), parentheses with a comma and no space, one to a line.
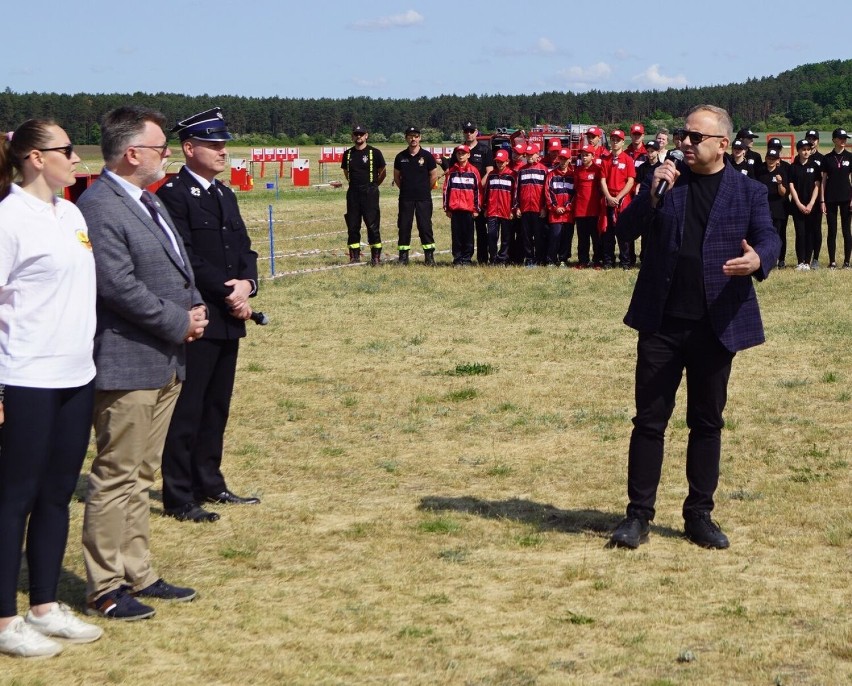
(695,137)
(66,150)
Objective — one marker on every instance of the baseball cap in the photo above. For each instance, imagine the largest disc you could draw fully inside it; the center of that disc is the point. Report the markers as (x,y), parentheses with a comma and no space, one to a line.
(468,126)
(533,149)
(359,129)
(554,144)
(588,149)
(594,131)
(501,156)
(565,153)
(412,130)
(618,133)
(773,153)
(637,128)
(520,148)
(804,143)
(839,133)
(774,144)
(652,145)
(746,133)
(812,133)
(462,148)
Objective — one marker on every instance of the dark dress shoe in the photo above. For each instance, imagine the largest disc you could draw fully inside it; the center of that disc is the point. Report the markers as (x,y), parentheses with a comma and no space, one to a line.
(703,531)
(191,513)
(228,498)
(630,533)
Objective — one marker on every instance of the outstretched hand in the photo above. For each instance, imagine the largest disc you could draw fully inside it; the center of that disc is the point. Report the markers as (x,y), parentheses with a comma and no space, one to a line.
(744,265)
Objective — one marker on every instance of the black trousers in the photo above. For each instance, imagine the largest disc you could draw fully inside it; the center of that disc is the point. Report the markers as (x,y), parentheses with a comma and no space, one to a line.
(662,357)
(808,228)
(409,210)
(558,247)
(192,455)
(780,224)
(587,236)
(461,230)
(516,241)
(362,203)
(499,231)
(481,225)
(532,229)
(42,445)
(832,209)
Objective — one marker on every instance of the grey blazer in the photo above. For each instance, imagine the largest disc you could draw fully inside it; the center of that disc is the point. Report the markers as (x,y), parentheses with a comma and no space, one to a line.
(144,292)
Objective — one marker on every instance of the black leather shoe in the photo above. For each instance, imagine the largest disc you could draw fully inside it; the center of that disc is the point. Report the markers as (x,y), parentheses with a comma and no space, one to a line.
(191,513)
(703,531)
(630,533)
(228,498)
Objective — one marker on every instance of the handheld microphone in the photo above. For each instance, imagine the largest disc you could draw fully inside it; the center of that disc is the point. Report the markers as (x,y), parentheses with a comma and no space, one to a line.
(259,318)
(663,186)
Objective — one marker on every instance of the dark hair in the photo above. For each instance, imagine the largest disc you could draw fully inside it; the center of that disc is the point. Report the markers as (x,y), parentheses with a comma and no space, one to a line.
(121,125)
(29,136)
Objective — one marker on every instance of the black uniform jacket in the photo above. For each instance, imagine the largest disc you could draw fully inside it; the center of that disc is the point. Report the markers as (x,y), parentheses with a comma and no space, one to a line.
(217,242)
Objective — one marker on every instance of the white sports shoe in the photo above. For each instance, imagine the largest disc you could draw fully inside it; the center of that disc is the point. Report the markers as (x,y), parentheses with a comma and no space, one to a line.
(21,640)
(60,622)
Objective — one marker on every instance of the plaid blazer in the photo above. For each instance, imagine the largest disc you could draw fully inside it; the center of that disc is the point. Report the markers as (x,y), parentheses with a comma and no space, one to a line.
(740,211)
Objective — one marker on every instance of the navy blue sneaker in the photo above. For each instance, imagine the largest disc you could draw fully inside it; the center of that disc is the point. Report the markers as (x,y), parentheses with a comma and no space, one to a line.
(163,591)
(119,604)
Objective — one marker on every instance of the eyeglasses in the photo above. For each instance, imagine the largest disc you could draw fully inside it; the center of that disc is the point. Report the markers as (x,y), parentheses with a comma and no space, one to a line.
(695,137)
(66,150)
(160,148)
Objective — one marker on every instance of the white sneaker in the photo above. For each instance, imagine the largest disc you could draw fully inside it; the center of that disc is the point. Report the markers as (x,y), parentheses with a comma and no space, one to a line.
(60,622)
(21,640)
(803,267)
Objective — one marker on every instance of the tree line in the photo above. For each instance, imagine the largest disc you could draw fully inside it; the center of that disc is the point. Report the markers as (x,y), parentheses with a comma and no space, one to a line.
(813,95)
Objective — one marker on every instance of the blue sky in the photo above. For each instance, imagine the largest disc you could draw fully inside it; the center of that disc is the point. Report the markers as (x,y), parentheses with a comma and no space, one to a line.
(408,48)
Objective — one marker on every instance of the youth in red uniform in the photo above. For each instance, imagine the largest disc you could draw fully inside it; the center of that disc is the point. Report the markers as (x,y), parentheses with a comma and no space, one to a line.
(531,207)
(461,204)
(499,196)
(558,194)
(587,207)
(617,181)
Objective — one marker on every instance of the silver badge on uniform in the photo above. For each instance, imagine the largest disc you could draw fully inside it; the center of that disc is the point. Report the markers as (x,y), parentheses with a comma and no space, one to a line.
(196,191)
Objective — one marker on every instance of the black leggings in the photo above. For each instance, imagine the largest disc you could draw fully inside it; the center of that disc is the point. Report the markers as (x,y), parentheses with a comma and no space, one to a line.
(42,446)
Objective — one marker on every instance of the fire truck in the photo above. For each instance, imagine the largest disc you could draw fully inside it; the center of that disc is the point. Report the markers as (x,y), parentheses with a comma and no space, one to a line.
(572,137)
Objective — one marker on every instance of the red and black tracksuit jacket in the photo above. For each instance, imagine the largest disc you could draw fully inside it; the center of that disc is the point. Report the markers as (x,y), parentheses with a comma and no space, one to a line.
(462,190)
(531,187)
(499,194)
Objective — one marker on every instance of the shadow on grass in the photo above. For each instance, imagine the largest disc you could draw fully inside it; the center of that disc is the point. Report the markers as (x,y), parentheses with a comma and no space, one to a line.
(545,517)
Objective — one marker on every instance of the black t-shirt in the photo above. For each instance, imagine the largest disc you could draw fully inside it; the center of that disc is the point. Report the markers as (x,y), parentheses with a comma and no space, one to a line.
(770,180)
(804,177)
(743,167)
(363,165)
(836,169)
(686,297)
(414,173)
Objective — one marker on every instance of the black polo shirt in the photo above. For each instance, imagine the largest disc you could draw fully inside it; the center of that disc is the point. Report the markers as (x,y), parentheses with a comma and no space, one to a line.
(414,171)
(836,169)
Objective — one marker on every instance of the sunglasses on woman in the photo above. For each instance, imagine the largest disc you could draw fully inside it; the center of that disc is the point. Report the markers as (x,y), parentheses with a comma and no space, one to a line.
(66,150)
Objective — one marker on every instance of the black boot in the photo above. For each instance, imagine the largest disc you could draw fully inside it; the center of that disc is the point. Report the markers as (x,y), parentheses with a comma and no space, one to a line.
(375,257)
(403,257)
(430,257)
(354,255)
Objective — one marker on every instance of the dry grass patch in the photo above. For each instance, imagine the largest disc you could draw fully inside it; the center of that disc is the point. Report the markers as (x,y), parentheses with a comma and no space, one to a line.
(426,522)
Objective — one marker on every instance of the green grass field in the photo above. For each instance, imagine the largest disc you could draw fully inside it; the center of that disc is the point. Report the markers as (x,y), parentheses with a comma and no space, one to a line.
(441,455)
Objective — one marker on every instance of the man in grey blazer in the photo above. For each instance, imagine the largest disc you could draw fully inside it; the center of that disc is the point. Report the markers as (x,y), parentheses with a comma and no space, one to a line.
(148,309)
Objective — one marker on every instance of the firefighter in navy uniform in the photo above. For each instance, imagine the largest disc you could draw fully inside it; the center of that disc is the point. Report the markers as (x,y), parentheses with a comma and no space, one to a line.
(364,169)
(207,216)
(415,173)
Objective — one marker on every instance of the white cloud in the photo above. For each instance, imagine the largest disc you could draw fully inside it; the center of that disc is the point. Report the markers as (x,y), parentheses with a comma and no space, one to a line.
(409,18)
(622,54)
(652,78)
(584,78)
(546,46)
(370,84)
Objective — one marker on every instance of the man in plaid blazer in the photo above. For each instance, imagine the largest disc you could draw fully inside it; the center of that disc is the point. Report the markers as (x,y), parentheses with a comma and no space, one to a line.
(709,233)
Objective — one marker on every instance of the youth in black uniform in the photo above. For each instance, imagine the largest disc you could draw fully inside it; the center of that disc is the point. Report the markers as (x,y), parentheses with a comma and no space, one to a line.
(207,216)
(805,181)
(364,169)
(836,196)
(772,175)
(753,158)
(415,173)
